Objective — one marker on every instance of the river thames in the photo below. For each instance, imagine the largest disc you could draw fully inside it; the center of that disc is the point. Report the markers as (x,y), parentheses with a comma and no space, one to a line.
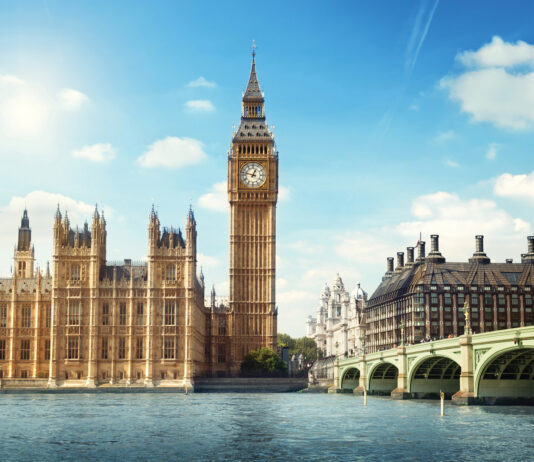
(290,426)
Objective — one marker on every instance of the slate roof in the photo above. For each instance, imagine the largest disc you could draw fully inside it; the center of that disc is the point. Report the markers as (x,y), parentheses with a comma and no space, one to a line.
(253,130)
(253,91)
(440,274)
(138,272)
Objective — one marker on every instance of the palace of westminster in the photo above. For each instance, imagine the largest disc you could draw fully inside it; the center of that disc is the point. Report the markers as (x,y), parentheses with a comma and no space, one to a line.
(86,322)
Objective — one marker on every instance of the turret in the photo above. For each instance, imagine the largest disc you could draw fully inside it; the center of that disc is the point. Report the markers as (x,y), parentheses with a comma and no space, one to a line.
(153,231)
(24,255)
(191,233)
(213,295)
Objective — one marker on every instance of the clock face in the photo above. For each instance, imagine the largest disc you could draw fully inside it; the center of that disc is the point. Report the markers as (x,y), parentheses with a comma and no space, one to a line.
(253,175)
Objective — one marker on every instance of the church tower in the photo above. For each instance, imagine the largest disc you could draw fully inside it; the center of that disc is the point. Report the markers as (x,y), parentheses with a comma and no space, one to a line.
(24,256)
(252,193)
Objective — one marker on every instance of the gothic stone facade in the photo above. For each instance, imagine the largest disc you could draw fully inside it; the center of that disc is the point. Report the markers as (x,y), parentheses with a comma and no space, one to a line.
(340,322)
(426,296)
(95,322)
(89,322)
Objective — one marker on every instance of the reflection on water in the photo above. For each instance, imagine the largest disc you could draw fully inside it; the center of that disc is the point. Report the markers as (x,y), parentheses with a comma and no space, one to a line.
(256,427)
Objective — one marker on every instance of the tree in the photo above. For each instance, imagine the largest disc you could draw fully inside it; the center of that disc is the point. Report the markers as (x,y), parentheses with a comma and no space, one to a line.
(263,362)
(304,345)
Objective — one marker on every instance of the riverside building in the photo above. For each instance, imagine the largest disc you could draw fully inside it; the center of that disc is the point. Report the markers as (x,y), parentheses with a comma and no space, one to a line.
(423,298)
(89,322)
(340,322)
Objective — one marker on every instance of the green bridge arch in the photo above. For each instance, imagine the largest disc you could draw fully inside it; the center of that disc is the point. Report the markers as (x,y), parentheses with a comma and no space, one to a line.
(433,373)
(382,377)
(506,373)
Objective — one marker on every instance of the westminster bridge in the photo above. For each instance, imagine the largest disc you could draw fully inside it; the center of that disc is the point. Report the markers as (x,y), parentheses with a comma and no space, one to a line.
(489,367)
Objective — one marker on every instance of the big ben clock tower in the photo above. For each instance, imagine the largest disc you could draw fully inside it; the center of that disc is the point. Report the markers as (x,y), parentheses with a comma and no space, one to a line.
(252,192)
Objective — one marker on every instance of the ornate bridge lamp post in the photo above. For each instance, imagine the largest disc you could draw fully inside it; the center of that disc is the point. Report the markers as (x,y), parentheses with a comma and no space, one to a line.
(402,333)
(362,342)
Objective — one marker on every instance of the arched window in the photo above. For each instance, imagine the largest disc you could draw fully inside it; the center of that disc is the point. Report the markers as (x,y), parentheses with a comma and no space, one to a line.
(170,273)
(75,272)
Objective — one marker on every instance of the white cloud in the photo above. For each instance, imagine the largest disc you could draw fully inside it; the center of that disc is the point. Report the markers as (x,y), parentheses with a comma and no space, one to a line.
(292,296)
(284,193)
(8,79)
(101,152)
(24,111)
(200,105)
(492,89)
(216,199)
(222,288)
(201,82)
(71,99)
(41,207)
(29,112)
(493,150)
(173,152)
(458,220)
(499,53)
(451,163)
(361,247)
(414,107)
(206,261)
(444,136)
(515,186)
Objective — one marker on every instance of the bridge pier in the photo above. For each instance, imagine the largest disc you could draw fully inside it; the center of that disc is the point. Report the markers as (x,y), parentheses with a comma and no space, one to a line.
(466,394)
(358,391)
(401,392)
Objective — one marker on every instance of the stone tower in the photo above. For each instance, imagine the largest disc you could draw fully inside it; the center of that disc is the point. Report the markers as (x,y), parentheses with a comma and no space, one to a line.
(252,193)
(24,256)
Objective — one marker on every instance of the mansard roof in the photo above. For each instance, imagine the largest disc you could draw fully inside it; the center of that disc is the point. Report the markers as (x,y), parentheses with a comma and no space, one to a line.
(253,130)
(453,274)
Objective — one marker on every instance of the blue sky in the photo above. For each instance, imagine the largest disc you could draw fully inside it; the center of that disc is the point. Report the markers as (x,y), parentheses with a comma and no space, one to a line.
(391,118)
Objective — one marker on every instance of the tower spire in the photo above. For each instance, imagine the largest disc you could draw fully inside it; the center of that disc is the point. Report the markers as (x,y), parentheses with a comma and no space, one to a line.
(253,91)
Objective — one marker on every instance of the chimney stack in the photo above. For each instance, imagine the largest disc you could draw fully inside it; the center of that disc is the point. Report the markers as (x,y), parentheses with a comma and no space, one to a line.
(479,244)
(509,261)
(389,269)
(422,254)
(530,255)
(400,261)
(409,256)
(435,255)
(479,256)
(434,243)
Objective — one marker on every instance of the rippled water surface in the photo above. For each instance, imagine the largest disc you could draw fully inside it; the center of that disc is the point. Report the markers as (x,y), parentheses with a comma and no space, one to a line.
(293,426)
